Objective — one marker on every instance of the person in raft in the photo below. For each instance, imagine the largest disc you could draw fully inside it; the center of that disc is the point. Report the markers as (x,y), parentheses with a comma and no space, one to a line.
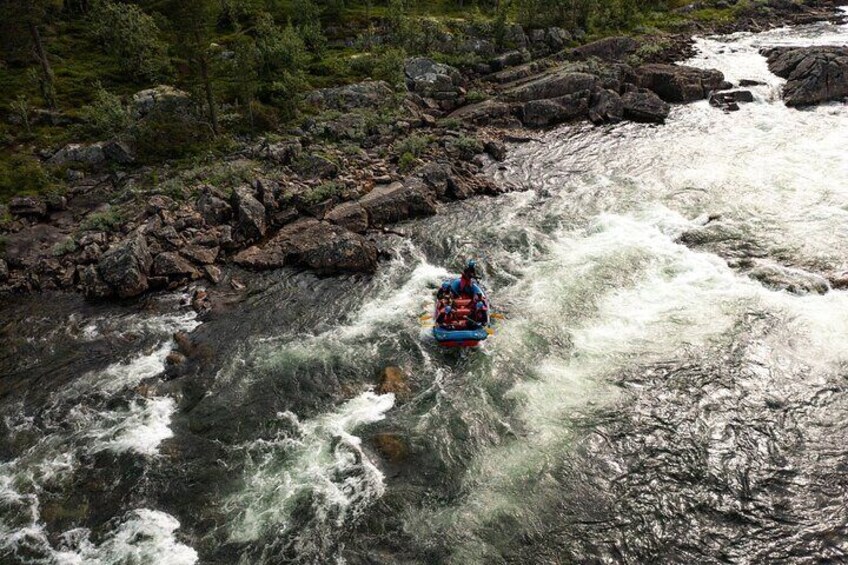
(442,318)
(465,285)
(444,291)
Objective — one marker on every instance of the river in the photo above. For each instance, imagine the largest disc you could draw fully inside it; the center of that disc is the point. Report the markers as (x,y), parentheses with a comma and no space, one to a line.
(643,401)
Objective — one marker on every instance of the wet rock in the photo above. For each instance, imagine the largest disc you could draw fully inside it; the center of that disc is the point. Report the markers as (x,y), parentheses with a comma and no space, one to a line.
(392,447)
(729,100)
(608,49)
(319,245)
(175,358)
(200,301)
(746,82)
(171,264)
(250,214)
(125,266)
(350,215)
(789,279)
(678,83)
(813,74)
(606,106)
(551,111)
(495,149)
(184,343)
(28,206)
(393,380)
(214,210)
(92,284)
(367,94)
(644,106)
(553,85)
(387,204)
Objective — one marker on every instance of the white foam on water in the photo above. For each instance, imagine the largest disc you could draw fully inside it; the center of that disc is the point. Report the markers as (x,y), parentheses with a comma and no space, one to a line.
(139,428)
(322,459)
(143,537)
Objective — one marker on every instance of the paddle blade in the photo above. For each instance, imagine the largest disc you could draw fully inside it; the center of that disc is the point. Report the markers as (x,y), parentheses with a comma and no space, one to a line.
(497,316)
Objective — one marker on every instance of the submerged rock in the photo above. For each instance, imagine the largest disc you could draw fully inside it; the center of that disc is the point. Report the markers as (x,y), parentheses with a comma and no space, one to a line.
(813,74)
(393,380)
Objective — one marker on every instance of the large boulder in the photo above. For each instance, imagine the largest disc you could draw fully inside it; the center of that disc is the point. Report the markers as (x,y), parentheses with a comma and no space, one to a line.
(250,214)
(606,106)
(214,210)
(436,81)
(79,153)
(160,98)
(171,264)
(608,49)
(387,204)
(322,246)
(552,85)
(813,74)
(551,111)
(678,83)
(349,215)
(645,106)
(368,94)
(124,267)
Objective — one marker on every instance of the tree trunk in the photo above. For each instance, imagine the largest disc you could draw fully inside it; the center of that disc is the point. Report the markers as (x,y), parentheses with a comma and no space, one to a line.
(210,96)
(48,91)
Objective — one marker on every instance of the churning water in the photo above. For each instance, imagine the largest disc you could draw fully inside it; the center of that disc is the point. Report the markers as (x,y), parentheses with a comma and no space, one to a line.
(669,384)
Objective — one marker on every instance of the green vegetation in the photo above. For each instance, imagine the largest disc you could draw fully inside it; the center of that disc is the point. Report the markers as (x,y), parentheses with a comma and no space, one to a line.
(322,192)
(107,221)
(247,64)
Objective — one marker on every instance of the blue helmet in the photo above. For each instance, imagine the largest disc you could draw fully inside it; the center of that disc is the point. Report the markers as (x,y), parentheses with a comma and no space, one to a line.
(448,309)
(481,305)
(471,265)
(445,285)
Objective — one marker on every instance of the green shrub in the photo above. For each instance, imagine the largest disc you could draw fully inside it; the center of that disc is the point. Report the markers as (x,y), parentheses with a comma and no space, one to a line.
(415,145)
(21,174)
(322,192)
(106,115)
(476,96)
(68,245)
(107,221)
(407,162)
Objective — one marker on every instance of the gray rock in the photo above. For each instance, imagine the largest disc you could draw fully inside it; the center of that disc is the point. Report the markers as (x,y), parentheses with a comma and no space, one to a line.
(30,206)
(609,49)
(322,246)
(556,38)
(200,254)
(171,264)
(437,81)
(438,176)
(4,271)
(125,266)
(551,111)
(813,74)
(250,214)
(677,83)
(162,97)
(495,149)
(90,155)
(92,284)
(515,36)
(214,210)
(367,94)
(606,106)
(645,106)
(349,215)
(315,166)
(553,85)
(487,112)
(118,152)
(398,201)
(510,59)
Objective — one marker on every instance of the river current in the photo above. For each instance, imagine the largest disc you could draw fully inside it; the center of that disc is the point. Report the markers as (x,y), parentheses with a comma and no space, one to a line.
(643,401)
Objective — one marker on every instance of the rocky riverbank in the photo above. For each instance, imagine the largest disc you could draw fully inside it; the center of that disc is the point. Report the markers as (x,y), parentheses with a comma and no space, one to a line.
(319,196)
